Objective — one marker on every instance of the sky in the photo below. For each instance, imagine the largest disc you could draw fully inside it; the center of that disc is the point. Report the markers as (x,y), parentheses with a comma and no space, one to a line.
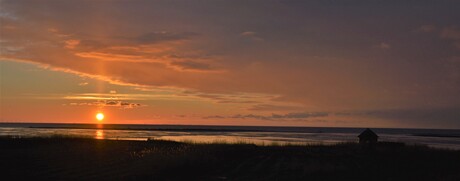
(220,62)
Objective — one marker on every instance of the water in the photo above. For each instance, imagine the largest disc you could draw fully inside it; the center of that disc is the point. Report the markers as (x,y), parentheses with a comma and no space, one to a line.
(234,134)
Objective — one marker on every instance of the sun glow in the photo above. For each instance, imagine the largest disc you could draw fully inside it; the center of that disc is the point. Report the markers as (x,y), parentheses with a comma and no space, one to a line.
(100,116)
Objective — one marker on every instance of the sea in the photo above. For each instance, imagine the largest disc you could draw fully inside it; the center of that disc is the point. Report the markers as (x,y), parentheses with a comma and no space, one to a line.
(259,135)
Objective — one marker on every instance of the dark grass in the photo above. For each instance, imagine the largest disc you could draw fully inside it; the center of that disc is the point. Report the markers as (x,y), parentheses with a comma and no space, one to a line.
(64,158)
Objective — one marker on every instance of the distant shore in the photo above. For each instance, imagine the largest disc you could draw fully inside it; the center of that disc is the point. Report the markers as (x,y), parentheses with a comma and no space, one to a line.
(254,134)
(68,158)
(439,135)
(220,128)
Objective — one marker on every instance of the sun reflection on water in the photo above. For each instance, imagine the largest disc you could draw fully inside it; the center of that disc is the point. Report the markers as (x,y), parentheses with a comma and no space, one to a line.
(99,134)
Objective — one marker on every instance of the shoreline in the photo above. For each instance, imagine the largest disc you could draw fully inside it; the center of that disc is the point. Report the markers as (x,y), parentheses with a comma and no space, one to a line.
(152,127)
(440,139)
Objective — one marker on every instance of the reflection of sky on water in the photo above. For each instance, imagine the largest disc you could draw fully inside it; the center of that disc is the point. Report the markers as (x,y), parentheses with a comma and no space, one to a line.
(260,138)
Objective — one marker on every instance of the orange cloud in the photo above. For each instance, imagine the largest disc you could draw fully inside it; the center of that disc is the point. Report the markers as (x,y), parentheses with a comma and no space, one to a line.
(71,44)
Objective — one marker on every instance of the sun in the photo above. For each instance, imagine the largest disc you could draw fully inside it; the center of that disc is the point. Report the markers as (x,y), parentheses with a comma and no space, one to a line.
(100,116)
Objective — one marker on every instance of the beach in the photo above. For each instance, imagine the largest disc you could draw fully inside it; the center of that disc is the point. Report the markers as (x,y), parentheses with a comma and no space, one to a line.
(70,158)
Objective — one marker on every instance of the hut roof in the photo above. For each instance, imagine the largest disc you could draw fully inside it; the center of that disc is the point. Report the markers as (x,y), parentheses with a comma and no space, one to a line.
(367,133)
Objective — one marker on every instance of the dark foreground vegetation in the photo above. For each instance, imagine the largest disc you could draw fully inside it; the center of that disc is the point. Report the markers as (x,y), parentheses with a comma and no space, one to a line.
(60,158)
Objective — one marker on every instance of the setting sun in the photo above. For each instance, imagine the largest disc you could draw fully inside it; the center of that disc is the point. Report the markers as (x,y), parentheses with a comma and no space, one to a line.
(99,116)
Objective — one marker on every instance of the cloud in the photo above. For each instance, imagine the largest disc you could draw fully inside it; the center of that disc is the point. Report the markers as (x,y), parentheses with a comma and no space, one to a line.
(251,35)
(423,117)
(87,44)
(7,15)
(231,98)
(270,107)
(114,57)
(457,44)
(301,115)
(452,33)
(288,116)
(109,103)
(193,66)
(71,44)
(384,45)
(248,33)
(448,115)
(157,37)
(427,28)
(237,102)
(151,47)
(157,47)
(160,95)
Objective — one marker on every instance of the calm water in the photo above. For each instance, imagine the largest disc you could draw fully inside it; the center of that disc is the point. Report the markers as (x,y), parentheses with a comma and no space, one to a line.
(233,134)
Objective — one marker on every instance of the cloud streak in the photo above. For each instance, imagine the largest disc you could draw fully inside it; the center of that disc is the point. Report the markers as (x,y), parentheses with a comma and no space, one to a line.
(109,103)
(288,116)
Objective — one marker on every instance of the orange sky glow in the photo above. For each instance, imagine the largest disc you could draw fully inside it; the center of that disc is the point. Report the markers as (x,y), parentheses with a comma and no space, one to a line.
(274,63)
